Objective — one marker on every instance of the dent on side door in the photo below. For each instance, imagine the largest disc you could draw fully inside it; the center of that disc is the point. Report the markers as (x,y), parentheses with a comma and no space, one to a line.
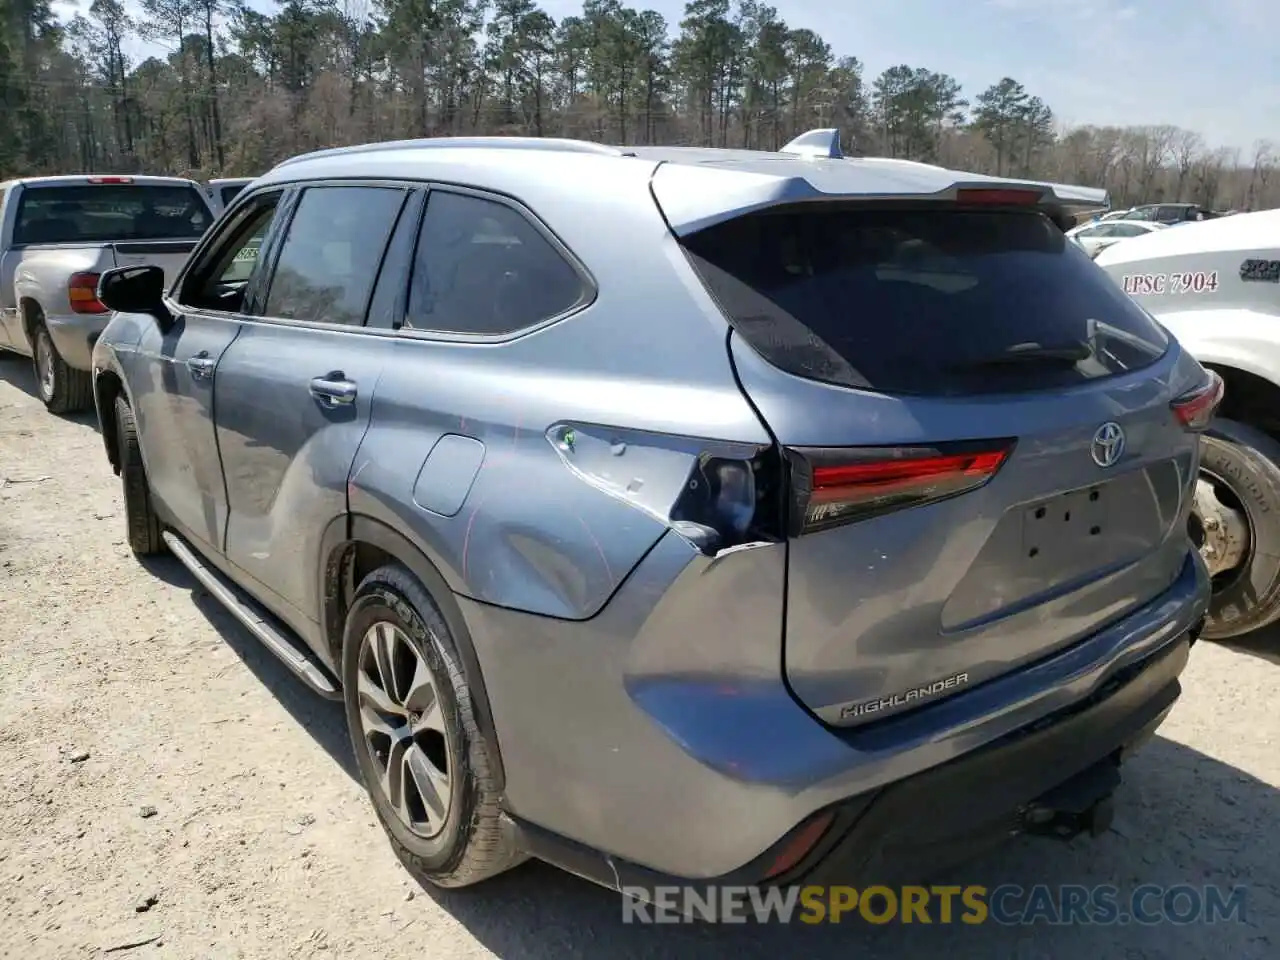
(287,447)
(176,416)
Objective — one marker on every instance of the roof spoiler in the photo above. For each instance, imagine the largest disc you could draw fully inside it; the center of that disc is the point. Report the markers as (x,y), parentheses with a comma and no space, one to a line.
(1065,199)
(1073,199)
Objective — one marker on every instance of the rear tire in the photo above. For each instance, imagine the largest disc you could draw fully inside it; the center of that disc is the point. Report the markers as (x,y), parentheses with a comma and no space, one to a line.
(461,838)
(63,389)
(140,517)
(1247,462)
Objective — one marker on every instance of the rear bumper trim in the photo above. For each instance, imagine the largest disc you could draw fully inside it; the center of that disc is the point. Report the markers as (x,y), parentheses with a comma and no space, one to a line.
(946,814)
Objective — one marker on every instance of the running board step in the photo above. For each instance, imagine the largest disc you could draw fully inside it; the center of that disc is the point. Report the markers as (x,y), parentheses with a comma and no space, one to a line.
(253,619)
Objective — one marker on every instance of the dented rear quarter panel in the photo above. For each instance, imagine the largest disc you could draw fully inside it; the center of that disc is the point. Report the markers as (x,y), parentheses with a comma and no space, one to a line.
(641,380)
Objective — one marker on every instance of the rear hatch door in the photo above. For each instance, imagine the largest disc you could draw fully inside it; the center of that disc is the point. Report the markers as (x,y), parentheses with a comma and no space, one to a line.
(985,464)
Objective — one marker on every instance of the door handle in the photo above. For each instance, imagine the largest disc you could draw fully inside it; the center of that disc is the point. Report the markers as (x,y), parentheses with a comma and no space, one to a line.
(333,389)
(201,365)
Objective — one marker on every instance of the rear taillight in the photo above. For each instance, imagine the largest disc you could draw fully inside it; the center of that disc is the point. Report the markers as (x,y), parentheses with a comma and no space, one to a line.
(831,487)
(111,180)
(82,292)
(1195,410)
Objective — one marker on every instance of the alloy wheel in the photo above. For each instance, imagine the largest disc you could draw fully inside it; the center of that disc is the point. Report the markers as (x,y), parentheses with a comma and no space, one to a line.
(402,727)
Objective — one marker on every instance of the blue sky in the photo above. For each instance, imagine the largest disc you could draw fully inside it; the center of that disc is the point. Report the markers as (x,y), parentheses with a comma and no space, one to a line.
(1207,65)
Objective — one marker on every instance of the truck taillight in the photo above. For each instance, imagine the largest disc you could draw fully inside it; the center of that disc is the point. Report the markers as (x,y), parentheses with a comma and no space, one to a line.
(82,292)
(1195,410)
(111,179)
(835,486)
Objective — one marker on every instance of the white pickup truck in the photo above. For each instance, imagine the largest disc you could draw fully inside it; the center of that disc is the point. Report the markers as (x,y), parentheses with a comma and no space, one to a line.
(1215,285)
(57,235)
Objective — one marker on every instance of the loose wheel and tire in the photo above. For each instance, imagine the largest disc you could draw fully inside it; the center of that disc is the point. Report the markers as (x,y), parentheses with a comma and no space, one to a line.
(62,388)
(420,753)
(1236,524)
(140,517)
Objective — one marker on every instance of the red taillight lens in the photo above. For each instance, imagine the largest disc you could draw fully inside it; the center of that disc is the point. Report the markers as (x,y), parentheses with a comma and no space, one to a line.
(837,486)
(82,292)
(1195,410)
(1002,197)
(111,179)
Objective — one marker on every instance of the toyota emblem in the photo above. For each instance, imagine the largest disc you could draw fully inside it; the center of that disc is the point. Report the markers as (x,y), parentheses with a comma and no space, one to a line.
(1108,444)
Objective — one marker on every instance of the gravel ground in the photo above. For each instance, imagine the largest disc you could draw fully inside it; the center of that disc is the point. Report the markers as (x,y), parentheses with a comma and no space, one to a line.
(167,784)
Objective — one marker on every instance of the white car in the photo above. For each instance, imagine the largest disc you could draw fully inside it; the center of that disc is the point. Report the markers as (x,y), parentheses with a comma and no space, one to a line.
(1096,237)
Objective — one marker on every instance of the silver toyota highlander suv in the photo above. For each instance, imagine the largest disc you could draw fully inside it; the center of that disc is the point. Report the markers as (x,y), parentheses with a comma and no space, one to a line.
(676,514)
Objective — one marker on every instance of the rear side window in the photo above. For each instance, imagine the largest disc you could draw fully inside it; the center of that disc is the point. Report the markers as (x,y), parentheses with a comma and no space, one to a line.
(483,269)
(98,213)
(230,193)
(922,301)
(330,255)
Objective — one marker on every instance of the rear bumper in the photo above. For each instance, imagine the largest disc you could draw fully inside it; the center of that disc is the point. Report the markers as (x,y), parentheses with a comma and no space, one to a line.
(944,816)
(74,336)
(662,736)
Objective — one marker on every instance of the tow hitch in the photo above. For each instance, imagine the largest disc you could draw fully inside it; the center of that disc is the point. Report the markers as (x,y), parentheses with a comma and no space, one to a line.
(1082,804)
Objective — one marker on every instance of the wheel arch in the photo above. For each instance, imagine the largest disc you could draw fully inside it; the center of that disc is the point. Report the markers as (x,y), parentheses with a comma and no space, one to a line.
(352,547)
(32,313)
(108,384)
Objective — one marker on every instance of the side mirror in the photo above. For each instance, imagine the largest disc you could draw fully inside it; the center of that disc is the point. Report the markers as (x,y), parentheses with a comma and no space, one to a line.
(134,290)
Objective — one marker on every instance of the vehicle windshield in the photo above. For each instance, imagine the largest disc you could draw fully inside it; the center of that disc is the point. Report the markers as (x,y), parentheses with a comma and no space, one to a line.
(100,213)
(922,301)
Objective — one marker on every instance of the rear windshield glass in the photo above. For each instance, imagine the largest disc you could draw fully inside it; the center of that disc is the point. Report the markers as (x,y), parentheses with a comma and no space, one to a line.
(925,301)
(97,213)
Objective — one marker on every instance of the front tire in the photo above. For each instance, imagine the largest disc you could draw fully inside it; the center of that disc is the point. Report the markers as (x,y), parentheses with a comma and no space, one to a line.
(63,389)
(1242,464)
(140,517)
(419,750)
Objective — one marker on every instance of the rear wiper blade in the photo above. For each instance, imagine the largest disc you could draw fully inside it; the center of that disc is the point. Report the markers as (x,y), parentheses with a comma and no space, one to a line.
(1033,353)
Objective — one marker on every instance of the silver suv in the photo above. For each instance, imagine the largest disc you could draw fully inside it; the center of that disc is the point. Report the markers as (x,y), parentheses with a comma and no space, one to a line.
(676,513)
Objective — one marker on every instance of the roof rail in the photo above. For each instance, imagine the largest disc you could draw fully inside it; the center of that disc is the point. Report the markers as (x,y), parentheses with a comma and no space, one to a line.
(816,144)
(546,144)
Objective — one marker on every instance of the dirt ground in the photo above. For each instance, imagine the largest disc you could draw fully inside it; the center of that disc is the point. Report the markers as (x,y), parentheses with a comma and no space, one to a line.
(167,784)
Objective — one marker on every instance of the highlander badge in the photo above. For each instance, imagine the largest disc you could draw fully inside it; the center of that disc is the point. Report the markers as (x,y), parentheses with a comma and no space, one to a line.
(900,699)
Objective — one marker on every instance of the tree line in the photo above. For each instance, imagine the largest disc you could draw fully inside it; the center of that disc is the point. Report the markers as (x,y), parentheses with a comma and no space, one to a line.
(238,90)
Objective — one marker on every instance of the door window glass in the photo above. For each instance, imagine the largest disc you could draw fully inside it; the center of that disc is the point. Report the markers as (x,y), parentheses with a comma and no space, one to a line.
(220,280)
(331,253)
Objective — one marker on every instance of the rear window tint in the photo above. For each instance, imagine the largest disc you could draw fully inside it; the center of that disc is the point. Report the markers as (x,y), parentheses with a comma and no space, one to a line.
(97,213)
(925,301)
